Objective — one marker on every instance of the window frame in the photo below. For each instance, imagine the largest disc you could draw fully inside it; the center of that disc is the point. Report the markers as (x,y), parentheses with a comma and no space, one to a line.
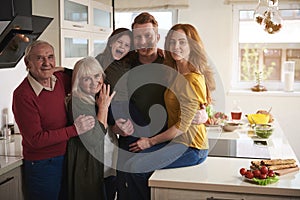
(236,84)
(161,31)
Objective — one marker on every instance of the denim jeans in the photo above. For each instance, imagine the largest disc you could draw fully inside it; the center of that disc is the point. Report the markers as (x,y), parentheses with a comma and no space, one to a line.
(43,178)
(165,156)
(162,156)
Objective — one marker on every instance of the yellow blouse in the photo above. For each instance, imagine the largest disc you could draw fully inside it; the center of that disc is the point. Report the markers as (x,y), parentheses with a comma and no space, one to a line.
(182,100)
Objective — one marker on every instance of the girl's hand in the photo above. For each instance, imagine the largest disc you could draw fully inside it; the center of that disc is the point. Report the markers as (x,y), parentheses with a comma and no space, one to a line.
(141,144)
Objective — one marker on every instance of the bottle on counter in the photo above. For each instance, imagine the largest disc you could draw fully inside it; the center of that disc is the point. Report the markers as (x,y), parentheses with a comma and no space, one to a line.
(236,111)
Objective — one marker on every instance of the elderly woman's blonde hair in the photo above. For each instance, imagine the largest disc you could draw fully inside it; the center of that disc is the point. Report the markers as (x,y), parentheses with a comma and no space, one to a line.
(87,66)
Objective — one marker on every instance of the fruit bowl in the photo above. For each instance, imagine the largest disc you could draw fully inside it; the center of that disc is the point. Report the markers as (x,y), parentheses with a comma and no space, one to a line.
(258,118)
(263,130)
(231,126)
(262,176)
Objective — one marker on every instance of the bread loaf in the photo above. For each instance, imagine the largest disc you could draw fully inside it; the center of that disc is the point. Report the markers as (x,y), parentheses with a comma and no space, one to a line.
(278,162)
(286,166)
(274,164)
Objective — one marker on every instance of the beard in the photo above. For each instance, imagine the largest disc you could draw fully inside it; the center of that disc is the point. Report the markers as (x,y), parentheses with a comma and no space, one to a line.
(146,51)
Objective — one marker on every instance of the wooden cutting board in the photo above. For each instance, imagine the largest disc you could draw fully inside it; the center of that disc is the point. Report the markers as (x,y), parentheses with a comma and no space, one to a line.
(281,172)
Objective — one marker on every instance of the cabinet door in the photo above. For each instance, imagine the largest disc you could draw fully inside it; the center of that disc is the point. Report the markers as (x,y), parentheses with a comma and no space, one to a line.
(99,42)
(101,17)
(11,185)
(74,14)
(74,46)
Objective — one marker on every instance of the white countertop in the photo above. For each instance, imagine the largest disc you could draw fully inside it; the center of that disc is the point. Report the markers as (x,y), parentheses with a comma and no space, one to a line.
(10,153)
(222,173)
(278,146)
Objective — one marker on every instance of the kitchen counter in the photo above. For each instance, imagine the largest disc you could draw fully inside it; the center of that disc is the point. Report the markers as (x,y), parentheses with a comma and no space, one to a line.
(249,146)
(10,153)
(219,176)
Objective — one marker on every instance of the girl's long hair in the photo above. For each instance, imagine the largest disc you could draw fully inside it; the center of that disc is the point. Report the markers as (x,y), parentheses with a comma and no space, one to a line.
(197,59)
(87,66)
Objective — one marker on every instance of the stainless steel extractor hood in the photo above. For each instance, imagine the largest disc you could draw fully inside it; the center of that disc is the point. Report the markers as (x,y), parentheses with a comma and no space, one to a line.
(18,28)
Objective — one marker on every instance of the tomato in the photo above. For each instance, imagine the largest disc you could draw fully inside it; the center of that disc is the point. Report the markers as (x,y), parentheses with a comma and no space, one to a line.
(249,174)
(271,173)
(264,170)
(256,173)
(263,176)
(243,171)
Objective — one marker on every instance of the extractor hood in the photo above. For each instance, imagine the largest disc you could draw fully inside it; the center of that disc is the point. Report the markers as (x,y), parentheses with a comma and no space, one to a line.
(18,29)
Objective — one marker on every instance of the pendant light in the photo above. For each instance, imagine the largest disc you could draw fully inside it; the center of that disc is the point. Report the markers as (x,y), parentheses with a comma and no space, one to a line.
(267,15)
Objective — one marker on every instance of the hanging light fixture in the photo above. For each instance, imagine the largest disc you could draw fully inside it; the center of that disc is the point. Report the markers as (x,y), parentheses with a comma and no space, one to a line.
(260,11)
(267,15)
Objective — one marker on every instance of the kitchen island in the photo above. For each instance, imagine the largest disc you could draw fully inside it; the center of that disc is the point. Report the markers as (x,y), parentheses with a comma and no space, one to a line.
(218,177)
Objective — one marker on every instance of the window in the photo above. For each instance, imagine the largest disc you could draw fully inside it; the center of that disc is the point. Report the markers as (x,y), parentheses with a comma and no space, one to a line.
(258,51)
(165,20)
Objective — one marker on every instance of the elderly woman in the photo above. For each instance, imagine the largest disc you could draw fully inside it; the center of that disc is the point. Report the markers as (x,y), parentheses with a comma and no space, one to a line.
(85,154)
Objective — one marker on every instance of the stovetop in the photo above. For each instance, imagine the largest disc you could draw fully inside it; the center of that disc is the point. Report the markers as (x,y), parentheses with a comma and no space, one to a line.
(239,148)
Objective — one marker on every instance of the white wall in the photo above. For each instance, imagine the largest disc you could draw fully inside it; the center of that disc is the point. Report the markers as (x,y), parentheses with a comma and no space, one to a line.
(9,80)
(213,20)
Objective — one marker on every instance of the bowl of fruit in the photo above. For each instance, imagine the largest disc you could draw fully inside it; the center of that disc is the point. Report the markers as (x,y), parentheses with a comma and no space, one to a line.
(260,176)
(263,130)
(230,126)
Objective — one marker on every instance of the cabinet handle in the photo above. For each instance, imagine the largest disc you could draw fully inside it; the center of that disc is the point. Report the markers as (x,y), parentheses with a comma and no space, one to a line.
(212,198)
(78,26)
(6,180)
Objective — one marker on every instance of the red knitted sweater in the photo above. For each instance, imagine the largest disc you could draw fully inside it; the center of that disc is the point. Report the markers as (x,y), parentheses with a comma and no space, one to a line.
(42,119)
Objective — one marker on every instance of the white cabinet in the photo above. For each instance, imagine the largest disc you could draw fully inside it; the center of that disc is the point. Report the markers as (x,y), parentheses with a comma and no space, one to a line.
(78,44)
(74,14)
(177,194)
(101,17)
(11,185)
(85,27)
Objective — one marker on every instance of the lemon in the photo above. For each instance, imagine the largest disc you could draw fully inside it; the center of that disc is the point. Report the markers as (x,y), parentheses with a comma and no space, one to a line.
(258,118)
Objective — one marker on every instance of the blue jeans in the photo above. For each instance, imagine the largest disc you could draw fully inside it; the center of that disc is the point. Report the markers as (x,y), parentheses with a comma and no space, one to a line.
(162,156)
(43,178)
(165,156)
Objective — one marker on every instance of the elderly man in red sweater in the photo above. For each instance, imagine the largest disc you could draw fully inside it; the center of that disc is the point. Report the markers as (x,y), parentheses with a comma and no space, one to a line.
(40,112)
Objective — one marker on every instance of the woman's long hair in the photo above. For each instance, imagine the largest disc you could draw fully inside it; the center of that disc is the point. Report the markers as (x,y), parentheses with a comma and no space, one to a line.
(87,66)
(197,61)
(105,58)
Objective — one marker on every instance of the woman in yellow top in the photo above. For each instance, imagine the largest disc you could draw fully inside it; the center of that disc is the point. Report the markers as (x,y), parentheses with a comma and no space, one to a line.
(191,82)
